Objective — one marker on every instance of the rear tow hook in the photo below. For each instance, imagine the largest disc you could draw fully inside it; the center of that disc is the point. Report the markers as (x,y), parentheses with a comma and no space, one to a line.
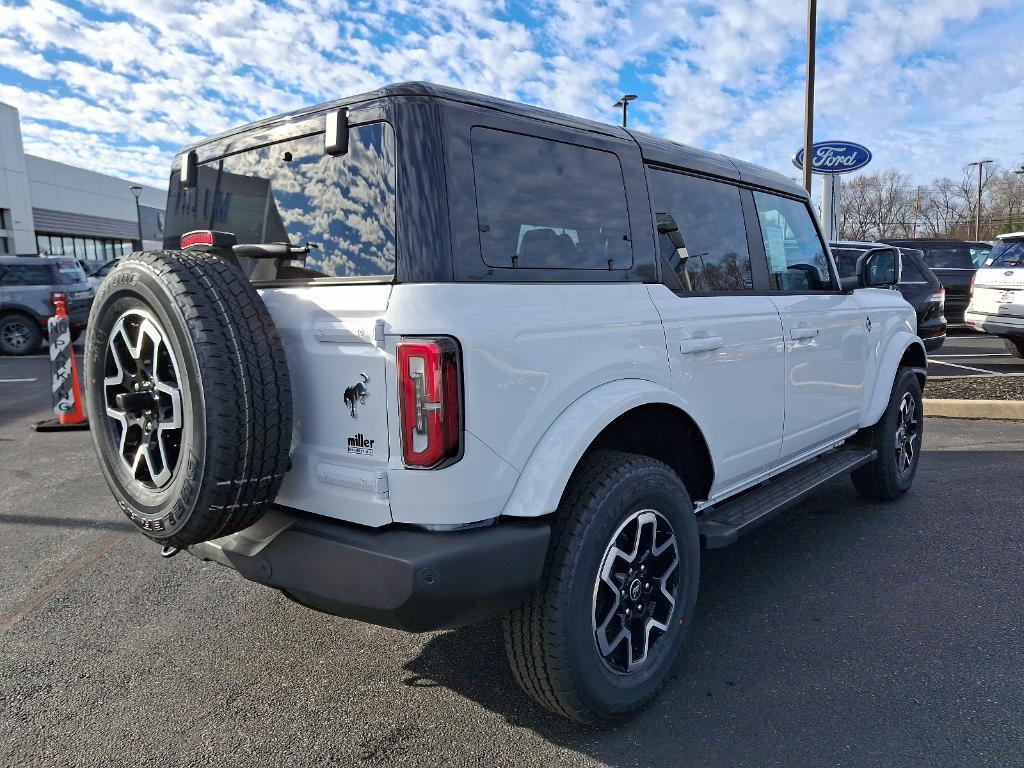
(169,551)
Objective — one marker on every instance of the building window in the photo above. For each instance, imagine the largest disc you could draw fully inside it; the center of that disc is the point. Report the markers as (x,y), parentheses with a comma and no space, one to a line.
(91,250)
(4,246)
(5,218)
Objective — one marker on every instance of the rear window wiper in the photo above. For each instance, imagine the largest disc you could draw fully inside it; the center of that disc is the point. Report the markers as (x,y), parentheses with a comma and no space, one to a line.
(271,250)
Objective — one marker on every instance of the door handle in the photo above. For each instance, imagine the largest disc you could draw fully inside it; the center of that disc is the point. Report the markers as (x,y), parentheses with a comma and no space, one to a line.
(803,332)
(701,344)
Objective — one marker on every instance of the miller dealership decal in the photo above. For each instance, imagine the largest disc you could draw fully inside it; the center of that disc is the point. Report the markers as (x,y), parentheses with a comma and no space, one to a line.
(356,395)
(360,444)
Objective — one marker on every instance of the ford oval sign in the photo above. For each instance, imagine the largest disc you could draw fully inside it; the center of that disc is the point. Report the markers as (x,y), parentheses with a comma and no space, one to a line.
(835,157)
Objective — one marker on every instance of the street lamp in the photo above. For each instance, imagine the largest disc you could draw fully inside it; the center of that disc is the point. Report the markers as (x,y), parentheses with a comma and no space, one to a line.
(624,103)
(136,191)
(977,208)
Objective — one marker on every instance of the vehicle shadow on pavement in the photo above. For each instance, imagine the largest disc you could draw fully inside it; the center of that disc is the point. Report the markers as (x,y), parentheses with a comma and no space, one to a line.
(826,634)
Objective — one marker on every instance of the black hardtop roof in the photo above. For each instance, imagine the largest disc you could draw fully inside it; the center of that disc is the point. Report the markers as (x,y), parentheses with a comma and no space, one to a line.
(652,149)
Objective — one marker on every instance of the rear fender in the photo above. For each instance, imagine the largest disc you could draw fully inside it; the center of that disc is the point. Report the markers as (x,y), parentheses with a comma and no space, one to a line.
(539,488)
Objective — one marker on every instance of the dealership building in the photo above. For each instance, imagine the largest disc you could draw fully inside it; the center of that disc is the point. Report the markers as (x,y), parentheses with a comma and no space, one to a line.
(50,208)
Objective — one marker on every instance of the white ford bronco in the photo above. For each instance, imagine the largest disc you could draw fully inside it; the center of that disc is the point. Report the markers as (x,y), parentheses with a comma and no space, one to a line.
(424,358)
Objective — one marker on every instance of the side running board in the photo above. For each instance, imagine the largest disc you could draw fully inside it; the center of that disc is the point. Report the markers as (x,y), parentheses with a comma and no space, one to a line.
(723,523)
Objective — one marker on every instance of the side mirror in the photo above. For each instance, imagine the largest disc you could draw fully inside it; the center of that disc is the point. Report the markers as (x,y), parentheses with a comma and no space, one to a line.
(879,268)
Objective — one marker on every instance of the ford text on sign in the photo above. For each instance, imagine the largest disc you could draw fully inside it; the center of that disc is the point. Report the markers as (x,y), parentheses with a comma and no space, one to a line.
(835,157)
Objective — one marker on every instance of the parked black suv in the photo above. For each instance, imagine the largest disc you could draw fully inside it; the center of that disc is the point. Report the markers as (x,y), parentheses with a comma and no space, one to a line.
(918,284)
(954,262)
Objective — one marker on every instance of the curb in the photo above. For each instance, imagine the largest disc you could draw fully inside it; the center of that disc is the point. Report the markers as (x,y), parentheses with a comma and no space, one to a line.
(974,409)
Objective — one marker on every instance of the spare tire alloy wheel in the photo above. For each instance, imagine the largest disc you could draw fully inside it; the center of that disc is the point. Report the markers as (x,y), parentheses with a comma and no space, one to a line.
(188,390)
(143,398)
(634,595)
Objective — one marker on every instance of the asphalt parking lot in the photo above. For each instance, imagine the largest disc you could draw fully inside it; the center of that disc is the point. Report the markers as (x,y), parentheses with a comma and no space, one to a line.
(844,633)
(967,353)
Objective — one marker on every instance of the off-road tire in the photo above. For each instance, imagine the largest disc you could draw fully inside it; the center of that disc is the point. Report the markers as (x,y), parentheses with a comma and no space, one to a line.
(1014,346)
(881,479)
(27,327)
(549,638)
(234,386)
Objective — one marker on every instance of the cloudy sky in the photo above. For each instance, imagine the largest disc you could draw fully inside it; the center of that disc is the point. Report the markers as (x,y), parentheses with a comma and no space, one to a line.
(118,85)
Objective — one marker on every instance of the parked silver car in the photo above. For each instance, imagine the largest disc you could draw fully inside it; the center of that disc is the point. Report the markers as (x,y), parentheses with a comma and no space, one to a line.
(28,286)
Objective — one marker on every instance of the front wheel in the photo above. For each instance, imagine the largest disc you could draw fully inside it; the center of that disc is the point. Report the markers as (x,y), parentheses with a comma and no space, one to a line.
(597,639)
(897,438)
(1014,346)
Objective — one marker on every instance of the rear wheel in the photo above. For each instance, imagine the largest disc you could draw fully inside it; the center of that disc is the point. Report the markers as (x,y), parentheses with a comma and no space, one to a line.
(1014,346)
(598,638)
(897,438)
(19,334)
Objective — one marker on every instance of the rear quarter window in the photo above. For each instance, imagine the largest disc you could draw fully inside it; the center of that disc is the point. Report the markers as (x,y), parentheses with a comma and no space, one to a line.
(547,204)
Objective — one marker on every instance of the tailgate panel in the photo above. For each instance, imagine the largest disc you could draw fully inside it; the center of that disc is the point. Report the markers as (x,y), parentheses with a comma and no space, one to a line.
(333,337)
(999,292)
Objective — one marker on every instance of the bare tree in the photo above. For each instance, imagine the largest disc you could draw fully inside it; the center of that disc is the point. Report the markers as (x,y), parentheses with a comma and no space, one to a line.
(875,205)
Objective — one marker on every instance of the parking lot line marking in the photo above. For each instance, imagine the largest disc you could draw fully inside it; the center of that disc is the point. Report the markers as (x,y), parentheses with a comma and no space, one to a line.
(978,354)
(40,595)
(966,367)
(15,381)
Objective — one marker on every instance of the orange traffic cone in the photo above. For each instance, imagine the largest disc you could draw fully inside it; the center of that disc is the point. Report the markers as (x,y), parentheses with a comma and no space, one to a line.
(62,354)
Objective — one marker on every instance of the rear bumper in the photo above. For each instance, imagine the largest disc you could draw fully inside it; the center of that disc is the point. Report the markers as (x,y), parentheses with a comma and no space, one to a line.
(397,577)
(1001,325)
(933,343)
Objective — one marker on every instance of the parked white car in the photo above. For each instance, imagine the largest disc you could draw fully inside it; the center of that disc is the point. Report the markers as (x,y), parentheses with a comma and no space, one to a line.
(447,358)
(997,293)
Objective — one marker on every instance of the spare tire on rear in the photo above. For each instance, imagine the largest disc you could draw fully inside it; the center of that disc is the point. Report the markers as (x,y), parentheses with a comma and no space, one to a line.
(188,395)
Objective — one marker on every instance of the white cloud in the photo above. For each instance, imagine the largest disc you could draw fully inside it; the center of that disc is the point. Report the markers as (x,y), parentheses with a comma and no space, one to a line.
(131,81)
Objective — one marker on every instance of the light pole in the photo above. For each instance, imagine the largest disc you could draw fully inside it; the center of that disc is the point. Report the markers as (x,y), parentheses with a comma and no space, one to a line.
(977,208)
(812,10)
(137,192)
(624,103)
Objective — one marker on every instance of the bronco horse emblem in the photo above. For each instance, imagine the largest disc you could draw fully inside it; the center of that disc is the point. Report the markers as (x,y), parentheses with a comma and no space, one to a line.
(356,395)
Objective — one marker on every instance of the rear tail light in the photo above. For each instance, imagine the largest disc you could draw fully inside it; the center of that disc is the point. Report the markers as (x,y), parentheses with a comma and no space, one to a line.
(56,296)
(938,298)
(429,384)
(970,291)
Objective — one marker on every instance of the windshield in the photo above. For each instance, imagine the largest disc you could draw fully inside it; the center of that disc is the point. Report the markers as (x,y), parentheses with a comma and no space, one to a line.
(291,191)
(1006,253)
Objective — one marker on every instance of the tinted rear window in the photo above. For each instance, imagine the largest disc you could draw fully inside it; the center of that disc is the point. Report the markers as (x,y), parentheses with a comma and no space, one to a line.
(948,256)
(291,191)
(1006,253)
(548,204)
(846,260)
(911,272)
(69,271)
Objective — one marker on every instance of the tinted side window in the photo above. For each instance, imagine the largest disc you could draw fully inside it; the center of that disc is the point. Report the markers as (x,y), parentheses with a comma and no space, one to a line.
(796,255)
(701,237)
(547,204)
(28,274)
